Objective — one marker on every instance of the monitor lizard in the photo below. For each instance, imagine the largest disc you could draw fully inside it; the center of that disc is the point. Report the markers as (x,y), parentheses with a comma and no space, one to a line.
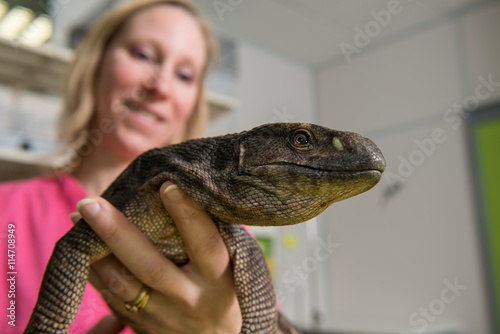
(275,174)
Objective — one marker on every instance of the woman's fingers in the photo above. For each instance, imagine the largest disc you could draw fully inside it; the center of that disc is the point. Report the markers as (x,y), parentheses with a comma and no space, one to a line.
(133,250)
(107,325)
(199,296)
(75,217)
(116,279)
(204,245)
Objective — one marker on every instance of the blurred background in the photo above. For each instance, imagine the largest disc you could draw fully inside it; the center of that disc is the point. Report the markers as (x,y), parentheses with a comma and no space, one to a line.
(420,253)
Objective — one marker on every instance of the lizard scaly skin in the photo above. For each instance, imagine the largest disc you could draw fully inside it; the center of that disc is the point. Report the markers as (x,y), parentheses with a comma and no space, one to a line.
(275,174)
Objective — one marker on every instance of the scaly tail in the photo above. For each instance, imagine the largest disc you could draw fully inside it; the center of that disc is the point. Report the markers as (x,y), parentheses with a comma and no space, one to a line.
(65,279)
(285,327)
(252,281)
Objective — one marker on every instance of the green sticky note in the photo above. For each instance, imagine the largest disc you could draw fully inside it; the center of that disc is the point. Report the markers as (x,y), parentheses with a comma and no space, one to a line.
(291,241)
(265,244)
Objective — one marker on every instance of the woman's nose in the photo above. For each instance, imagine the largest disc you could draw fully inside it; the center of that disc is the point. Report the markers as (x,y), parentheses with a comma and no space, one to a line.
(158,83)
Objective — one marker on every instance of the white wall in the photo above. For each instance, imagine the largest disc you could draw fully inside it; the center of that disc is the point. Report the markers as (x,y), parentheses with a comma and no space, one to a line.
(67,14)
(397,253)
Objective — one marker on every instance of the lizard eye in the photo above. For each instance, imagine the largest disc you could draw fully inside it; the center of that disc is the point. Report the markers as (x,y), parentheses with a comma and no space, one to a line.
(301,140)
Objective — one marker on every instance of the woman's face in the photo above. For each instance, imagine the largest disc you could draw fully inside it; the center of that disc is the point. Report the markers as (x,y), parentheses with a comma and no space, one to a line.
(149,80)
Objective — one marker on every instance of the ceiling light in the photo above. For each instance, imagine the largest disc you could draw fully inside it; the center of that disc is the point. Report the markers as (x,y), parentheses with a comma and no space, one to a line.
(4,7)
(37,32)
(15,21)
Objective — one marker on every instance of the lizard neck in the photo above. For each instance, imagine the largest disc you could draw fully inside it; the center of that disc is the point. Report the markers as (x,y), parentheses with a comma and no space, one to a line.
(202,168)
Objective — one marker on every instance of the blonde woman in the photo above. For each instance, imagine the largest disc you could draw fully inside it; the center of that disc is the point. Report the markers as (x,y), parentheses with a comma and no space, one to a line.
(136,83)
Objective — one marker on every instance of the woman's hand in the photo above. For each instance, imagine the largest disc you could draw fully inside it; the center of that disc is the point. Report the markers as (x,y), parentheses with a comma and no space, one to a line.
(197,298)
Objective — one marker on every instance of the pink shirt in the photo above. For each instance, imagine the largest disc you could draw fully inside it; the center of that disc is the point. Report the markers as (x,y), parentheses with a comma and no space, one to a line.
(38,210)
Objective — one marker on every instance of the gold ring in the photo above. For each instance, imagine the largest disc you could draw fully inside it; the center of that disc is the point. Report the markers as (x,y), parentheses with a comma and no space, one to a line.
(140,302)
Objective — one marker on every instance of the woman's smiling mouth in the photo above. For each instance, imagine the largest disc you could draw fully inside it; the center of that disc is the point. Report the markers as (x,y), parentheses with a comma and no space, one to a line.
(145,113)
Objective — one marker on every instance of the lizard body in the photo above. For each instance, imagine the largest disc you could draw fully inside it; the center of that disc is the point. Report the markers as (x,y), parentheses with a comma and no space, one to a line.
(275,174)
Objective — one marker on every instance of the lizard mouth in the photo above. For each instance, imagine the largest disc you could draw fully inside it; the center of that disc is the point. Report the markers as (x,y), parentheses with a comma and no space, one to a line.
(368,172)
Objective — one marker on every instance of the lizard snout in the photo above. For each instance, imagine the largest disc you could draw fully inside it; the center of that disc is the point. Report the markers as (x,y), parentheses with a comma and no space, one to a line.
(358,152)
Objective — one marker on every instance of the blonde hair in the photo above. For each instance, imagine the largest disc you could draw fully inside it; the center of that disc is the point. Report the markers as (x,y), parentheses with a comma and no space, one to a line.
(78,92)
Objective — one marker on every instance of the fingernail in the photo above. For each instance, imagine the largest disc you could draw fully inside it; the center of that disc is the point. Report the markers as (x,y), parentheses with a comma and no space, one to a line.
(74,217)
(88,208)
(173,193)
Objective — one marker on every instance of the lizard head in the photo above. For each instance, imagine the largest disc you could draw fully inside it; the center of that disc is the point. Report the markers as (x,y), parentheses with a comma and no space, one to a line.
(296,170)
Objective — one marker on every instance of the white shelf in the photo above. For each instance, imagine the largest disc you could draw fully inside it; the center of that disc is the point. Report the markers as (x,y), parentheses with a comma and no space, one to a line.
(18,156)
(40,69)
(220,104)
(19,164)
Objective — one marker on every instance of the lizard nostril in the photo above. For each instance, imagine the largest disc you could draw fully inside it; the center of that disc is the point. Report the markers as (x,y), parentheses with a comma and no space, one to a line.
(338,144)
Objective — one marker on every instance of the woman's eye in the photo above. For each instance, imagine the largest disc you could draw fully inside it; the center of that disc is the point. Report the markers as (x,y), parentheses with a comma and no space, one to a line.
(143,53)
(186,75)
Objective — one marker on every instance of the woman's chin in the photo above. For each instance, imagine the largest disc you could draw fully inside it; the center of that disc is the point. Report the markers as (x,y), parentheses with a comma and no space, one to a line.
(133,146)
